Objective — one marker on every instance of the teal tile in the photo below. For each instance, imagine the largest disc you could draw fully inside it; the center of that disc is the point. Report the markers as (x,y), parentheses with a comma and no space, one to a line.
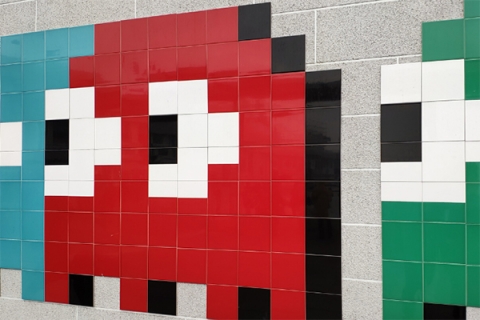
(81,41)
(10,195)
(34,106)
(11,78)
(57,43)
(11,49)
(10,173)
(32,255)
(33,136)
(445,283)
(10,225)
(33,195)
(34,76)
(34,46)
(33,165)
(33,285)
(10,254)
(32,225)
(57,74)
(11,107)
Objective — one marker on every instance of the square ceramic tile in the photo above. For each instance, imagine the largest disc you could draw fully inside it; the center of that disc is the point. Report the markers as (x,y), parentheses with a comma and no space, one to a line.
(57,104)
(82,134)
(162,97)
(443,121)
(192,189)
(10,158)
(56,188)
(108,157)
(401,171)
(82,103)
(223,155)
(192,164)
(192,97)
(163,189)
(81,165)
(108,133)
(443,192)
(443,80)
(223,129)
(11,136)
(472,151)
(402,191)
(443,161)
(80,188)
(162,172)
(192,130)
(56,173)
(472,115)
(401,83)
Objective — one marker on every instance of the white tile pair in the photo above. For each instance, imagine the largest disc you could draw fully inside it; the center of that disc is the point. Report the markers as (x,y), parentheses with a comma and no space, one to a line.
(178,97)
(77,103)
(424,191)
(11,144)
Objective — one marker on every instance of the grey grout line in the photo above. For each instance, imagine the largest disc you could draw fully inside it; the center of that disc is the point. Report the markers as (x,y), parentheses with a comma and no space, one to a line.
(362,280)
(315,40)
(361,115)
(135,8)
(335,7)
(36,14)
(16,2)
(362,225)
(361,169)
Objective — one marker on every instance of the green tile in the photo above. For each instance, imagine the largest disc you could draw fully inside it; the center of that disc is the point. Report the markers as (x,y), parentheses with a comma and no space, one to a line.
(401,211)
(473,203)
(445,283)
(472,79)
(402,280)
(443,212)
(472,38)
(472,8)
(402,241)
(472,171)
(444,242)
(473,286)
(442,40)
(402,310)
(473,244)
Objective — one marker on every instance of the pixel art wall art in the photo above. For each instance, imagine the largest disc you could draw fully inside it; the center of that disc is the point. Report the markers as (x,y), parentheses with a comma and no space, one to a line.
(187,154)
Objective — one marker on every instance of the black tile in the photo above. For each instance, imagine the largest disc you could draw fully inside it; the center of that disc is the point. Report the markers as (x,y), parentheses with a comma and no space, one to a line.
(322,199)
(163,156)
(323,236)
(288,54)
(162,297)
(324,306)
(80,290)
(401,152)
(401,122)
(56,135)
(56,157)
(322,162)
(322,125)
(253,303)
(323,88)
(163,131)
(254,21)
(442,311)
(323,274)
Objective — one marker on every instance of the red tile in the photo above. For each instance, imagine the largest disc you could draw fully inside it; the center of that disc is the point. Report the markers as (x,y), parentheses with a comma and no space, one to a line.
(255,163)
(191,28)
(54,203)
(255,57)
(135,132)
(107,196)
(254,269)
(287,304)
(56,287)
(162,205)
(223,198)
(192,266)
(254,233)
(80,204)
(80,258)
(288,163)
(222,267)
(288,271)
(134,99)
(163,64)
(107,173)
(288,127)
(222,172)
(163,230)
(288,198)
(288,91)
(107,102)
(81,72)
(192,206)
(222,302)
(135,66)
(162,31)
(222,25)
(107,69)
(135,164)
(223,232)
(288,235)
(133,294)
(56,256)
(162,264)
(107,261)
(223,95)
(254,129)
(107,228)
(192,232)
(80,227)
(134,34)
(255,93)
(134,229)
(133,262)
(107,37)
(56,226)
(255,198)
(135,196)
(222,60)
(192,63)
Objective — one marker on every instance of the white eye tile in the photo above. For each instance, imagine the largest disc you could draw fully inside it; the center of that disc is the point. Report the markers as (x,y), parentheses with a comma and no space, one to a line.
(81,163)
(11,136)
(193,189)
(162,97)
(56,188)
(163,189)
(401,171)
(444,192)
(162,172)
(402,83)
(472,120)
(443,80)
(80,188)
(443,121)
(82,134)
(108,157)
(223,155)
(82,103)
(108,133)
(192,97)
(57,104)
(402,191)
(472,151)
(56,173)
(443,161)
(223,129)
(10,159)
(192,164)
(192,130)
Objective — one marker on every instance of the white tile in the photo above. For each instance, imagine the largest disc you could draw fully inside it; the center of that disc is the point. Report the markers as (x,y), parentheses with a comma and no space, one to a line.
(223,129)
(162,97)
(402,191)
(192,164)
(82,134)
(57,104)
(192,300)
(472,120)
(81,165)
(108,157)
(444,192)
(80,188)
(192,130)
(11,158)
(11,136)
(223,155)
(193,189)
(401,171)
(162,172)
(56,188)
(82,103)
(443,161)
(108,133)
(163,189)
(192,97)
(402,83)
(56,173)
(472,151)
(443,121)
(443,80)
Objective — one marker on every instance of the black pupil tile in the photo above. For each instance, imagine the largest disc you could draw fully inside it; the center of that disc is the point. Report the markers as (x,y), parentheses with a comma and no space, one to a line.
(323,88)
(163,139)
(441,311)
(254,21)
(401,152)
(324,306)
(324,274)
(162,297)
(322,125)
(322,162)
(323,236)
(80,290)
(56,142)
(401,122)
(288,54)
(322,199)
(253,303)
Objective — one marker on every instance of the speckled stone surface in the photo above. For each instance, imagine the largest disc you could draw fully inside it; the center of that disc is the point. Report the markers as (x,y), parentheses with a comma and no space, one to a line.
(417,58)
(147,8)
(11,283)
(85,313)
(473,313)
(191,300)
(17,18)
(21,310)
(361,300)
(106,293)
(360,146)
(295,5)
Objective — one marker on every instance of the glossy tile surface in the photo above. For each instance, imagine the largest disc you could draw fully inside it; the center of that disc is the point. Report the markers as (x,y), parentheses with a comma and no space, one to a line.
(162,297)
(253,303)
(80,290)
(288,54)
(323,88)
(254,21)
